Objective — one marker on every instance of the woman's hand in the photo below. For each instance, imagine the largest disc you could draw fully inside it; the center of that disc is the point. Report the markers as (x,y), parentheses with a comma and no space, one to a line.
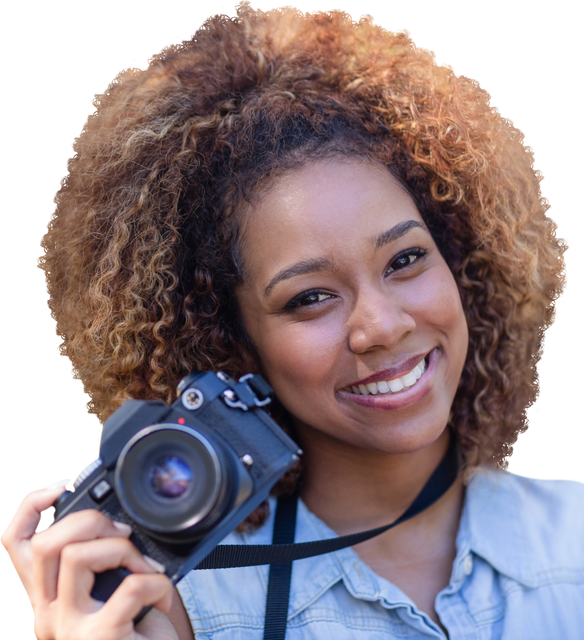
(57,568)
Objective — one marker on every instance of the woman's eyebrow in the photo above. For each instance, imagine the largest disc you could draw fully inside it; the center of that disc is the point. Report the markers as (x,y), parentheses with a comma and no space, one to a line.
(298,269)
(318,264)
(396,232)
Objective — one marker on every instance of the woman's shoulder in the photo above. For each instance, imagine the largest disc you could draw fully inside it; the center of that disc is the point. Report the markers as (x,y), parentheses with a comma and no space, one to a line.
(529,529)
(546,495)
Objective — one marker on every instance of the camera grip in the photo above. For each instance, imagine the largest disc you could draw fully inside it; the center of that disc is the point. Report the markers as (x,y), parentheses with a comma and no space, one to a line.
(107,582)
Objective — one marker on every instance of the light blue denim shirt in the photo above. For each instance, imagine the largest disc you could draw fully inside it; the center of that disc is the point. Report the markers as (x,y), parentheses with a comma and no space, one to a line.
(518,574)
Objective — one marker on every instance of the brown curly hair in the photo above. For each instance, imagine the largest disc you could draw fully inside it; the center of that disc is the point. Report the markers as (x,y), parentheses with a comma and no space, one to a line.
(141,256)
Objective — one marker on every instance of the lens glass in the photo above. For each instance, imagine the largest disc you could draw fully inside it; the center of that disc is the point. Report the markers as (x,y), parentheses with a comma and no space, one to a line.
(170,476)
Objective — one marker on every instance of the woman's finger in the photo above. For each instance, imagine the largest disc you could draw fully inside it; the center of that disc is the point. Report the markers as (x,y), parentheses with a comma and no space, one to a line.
(80,562)
(114,619)
(28,514)
(136,592)
(47,546)
(25,520)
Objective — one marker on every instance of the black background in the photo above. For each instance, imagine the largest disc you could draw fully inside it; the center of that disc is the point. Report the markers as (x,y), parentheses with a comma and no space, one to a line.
(526,61)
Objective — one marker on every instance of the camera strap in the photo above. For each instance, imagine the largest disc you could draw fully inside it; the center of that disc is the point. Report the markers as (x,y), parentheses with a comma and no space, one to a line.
(248,555)
(280,554)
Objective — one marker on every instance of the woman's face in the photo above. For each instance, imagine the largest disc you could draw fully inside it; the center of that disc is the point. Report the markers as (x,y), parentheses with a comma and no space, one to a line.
(347,301)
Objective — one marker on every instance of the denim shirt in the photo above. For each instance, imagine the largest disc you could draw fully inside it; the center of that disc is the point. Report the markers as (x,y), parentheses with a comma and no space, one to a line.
(518,574)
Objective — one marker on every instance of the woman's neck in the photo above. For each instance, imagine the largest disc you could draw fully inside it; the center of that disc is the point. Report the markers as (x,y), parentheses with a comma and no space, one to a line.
(355,490)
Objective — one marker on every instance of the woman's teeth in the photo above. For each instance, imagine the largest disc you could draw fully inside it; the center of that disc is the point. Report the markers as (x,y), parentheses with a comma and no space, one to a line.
(390,386)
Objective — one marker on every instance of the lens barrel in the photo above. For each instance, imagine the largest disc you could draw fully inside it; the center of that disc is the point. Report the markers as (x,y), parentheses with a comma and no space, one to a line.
(171,479)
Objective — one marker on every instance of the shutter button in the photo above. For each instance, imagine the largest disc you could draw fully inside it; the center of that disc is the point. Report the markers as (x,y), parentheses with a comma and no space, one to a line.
(467,565)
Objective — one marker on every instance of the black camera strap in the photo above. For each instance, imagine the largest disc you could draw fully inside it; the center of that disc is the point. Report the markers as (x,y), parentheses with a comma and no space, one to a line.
(283,551)
(248,555)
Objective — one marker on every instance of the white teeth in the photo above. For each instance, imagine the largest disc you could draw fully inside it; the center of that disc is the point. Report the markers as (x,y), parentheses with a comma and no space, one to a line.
(409,379)
(393,386)
(383,386)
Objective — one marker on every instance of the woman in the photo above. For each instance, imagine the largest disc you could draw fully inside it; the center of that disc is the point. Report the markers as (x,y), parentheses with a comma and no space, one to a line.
(317,201)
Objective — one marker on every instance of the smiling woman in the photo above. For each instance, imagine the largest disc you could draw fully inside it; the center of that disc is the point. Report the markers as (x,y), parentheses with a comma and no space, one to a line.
(317,201)
(357,294)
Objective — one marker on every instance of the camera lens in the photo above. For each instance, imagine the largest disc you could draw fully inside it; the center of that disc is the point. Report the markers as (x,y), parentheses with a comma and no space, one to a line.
(170,476)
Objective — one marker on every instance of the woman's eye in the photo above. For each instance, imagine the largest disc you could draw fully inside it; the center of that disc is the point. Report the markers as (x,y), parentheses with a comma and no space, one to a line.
(312,298)
(306,299)
(405,259)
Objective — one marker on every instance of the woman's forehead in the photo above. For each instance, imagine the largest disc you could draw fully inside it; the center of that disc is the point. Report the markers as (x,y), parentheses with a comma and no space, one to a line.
(325,211)
(321,198)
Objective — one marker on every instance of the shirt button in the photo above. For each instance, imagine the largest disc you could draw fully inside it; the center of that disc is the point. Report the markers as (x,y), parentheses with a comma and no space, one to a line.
(467,565)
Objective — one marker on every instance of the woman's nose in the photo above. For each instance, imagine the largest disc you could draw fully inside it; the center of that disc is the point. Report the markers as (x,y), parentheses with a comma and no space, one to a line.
(378,320)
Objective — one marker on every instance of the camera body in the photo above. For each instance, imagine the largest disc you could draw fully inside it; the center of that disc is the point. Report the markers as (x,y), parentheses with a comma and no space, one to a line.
(184,476)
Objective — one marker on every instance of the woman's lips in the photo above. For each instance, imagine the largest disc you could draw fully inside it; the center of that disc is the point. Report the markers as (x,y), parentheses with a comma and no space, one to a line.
(416,387)
(392,373)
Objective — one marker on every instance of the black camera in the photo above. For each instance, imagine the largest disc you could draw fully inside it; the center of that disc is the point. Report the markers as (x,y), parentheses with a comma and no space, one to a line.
(185,475)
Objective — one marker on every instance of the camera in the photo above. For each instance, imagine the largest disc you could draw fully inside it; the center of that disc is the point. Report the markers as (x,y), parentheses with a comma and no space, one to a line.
(183,476)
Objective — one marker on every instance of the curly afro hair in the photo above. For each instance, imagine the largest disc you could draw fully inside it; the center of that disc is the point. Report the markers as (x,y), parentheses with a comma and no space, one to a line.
(141,255)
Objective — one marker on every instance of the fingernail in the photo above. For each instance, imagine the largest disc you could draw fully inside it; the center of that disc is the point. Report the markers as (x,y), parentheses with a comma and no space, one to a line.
(56,485)
(122,527)
(159,568)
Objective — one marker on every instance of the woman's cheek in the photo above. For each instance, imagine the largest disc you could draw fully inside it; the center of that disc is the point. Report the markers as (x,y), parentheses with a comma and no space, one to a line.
(437,304)
(436,300)
(301,357)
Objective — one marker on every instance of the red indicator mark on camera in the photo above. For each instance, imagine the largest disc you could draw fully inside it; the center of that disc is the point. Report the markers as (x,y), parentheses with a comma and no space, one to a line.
(181,420)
